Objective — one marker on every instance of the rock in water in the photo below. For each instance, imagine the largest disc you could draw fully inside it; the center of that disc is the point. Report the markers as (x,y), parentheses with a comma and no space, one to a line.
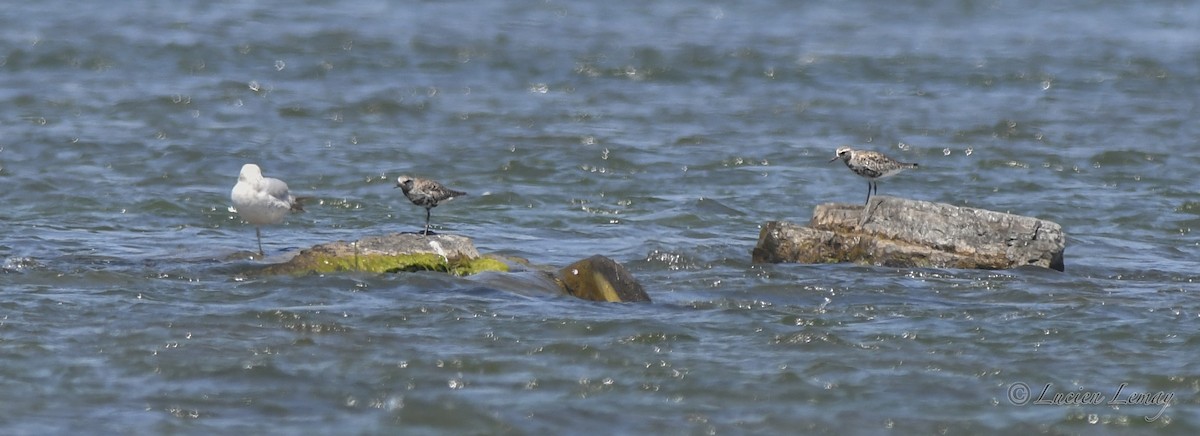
(909,233)
(599,278)
(392,253)
(596,278)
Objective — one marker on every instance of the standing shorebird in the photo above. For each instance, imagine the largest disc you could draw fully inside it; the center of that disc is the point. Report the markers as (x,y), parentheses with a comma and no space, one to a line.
(872,165)
(426,193)
(262,200)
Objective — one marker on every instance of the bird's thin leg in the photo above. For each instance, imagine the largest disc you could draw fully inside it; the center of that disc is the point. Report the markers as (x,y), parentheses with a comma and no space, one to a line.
(258,234)
(869,183)
(427,221)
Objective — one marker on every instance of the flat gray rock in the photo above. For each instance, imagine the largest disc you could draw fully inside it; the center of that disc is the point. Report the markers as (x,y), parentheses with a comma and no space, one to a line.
(910,233)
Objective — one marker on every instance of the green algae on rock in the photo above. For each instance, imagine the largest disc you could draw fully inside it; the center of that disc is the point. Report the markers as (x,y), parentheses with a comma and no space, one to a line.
(595,278)
(395,252)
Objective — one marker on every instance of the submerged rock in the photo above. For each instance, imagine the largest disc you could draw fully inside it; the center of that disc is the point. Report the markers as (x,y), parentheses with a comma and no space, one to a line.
(599,278)
(596,278)
(391,253)
(910,233)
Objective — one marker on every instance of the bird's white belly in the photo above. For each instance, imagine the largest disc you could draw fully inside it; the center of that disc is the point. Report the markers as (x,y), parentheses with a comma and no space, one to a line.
(259,209)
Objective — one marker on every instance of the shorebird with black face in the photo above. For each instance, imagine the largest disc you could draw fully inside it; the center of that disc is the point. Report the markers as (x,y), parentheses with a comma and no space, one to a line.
(426,193)
(262,200)
(871,165)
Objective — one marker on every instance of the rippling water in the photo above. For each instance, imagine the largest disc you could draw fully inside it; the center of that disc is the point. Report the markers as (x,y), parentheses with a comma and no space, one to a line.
(661,134)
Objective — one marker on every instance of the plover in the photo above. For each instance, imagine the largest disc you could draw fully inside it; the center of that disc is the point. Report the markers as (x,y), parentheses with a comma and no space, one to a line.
(262,200)
(426,193)
(872,165)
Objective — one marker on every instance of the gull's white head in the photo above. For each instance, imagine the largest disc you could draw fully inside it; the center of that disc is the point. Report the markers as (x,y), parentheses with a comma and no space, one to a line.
(250,173)
(843,153)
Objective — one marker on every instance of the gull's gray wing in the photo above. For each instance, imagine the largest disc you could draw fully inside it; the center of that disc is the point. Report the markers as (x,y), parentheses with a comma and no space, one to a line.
(278,190)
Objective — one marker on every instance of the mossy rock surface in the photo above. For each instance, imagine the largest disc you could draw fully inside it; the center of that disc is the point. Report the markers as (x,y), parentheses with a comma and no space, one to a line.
(398,252)
(595,278)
